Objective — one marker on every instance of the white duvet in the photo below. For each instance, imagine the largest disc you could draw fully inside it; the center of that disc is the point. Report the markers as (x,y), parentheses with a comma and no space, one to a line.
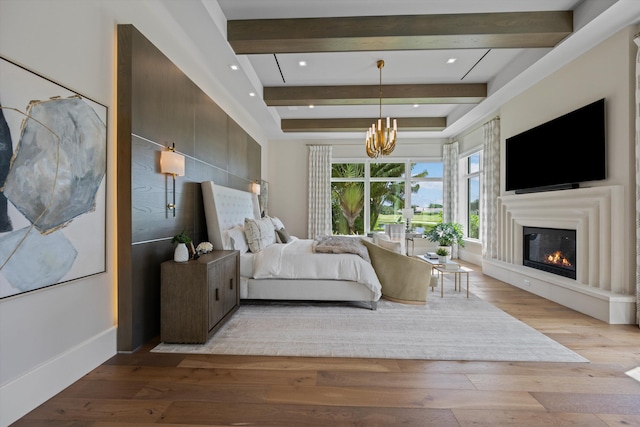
(296,260)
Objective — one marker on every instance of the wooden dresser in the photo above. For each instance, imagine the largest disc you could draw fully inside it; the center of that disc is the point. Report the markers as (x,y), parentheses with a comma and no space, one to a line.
(198,296)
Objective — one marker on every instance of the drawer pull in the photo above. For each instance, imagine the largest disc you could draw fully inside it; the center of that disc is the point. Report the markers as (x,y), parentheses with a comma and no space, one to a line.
(217,297)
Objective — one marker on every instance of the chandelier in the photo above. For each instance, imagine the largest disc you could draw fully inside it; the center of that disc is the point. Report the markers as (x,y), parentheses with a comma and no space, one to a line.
(381,138)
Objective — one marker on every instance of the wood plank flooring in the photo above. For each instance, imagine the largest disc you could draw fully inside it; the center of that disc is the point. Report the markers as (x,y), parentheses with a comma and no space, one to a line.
(144,389)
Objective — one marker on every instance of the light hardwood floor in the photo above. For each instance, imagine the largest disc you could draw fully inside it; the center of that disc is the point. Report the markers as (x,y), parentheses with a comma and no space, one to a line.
(144,388)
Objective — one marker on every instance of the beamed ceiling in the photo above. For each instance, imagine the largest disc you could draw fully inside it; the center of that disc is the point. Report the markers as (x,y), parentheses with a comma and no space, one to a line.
(493,43)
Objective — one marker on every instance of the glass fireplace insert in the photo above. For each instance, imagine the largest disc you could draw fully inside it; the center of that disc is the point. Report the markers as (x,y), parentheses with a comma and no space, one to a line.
(550,249)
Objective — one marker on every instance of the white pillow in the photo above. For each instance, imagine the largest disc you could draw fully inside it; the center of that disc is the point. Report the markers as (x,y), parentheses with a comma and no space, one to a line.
(260,233)
(377,237)
(390,245)
(234,238)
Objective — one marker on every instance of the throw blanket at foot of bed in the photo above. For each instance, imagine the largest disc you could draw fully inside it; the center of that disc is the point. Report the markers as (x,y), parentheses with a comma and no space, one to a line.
(341,245)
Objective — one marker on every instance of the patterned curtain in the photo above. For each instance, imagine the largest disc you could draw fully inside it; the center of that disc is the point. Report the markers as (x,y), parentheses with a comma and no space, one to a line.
(319,221)
(450,184)
(636,39)
(490,188)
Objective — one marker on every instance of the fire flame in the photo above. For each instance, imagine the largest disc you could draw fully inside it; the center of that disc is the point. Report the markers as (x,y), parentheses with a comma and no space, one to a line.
(557,258)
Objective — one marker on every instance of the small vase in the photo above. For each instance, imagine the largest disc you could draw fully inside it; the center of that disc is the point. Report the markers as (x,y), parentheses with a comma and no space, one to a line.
(442,259)
(181,253)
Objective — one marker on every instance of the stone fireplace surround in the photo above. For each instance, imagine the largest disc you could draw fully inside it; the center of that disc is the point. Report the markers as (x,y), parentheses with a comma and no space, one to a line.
(602,288)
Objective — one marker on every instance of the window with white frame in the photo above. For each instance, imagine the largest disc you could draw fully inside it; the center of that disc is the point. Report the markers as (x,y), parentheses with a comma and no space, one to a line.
(391,187)
(471,192)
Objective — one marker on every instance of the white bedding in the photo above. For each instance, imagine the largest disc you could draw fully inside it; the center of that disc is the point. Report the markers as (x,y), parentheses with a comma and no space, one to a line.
(301,276)
(296,260)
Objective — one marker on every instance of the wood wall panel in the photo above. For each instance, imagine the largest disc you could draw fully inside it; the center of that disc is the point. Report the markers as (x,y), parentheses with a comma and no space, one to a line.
(254,159)
(210,133)
(158,105)
(123,193)
(237,150)
(164,99)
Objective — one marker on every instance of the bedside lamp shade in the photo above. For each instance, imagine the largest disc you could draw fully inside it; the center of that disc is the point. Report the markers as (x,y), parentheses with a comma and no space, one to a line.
(255,188)
(407,213)
(172,163)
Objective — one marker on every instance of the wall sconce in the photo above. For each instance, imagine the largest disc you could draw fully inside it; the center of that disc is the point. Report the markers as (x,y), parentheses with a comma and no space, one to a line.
(172,163)
(255,188)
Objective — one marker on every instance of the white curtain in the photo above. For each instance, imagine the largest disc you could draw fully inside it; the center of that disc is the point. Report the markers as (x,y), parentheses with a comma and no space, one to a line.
(636,39)
(490,188)
(450,184)
(319,220)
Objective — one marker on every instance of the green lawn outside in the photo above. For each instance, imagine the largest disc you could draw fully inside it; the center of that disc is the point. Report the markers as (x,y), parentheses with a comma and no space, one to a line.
(426,220)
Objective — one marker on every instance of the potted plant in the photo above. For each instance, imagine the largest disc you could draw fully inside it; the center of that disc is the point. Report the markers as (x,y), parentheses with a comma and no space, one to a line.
(181,252)
(446,235)
(443,254)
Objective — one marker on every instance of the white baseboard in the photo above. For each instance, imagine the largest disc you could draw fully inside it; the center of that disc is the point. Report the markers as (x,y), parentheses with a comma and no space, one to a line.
(21,395)
(607,306)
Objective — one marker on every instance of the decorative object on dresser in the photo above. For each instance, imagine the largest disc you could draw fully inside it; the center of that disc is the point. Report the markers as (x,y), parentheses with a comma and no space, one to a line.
(181,252)
(199,296)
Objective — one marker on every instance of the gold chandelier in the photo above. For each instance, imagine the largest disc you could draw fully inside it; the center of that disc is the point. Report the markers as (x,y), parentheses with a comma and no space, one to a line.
(381,138)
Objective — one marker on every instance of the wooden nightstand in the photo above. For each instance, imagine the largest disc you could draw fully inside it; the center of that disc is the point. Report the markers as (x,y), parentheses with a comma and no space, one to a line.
(198,296)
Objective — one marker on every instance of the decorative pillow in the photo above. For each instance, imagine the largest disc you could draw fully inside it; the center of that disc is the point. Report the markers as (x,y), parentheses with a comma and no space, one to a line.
(390,245)
(277,224)
(260,233)
(238,240)
(283,235)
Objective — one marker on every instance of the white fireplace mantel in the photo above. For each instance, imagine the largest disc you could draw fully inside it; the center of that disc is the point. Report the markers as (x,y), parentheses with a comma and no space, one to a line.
(597,214)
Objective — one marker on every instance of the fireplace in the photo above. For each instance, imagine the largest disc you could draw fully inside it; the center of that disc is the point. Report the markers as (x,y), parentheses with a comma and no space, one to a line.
(550,249)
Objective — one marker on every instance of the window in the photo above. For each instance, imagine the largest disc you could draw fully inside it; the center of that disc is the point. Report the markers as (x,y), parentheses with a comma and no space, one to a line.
(347,198)
(389,187)
(471,177)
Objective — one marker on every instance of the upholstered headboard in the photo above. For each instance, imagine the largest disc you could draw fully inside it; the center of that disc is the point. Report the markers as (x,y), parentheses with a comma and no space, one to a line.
(226,208)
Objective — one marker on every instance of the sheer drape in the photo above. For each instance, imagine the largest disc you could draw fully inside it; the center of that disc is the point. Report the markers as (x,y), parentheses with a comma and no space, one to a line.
(319,219)
(450,182)
(636,39)
(450,186)
(490,188)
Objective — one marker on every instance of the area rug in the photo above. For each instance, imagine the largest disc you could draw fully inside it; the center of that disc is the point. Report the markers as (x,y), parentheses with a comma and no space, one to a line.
(449,328)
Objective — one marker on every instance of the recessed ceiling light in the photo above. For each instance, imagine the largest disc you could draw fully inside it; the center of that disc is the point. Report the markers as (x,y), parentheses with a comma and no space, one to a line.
(252,94)
(415,105)
(311,106)
(451,60)
(302,63)
(234,67)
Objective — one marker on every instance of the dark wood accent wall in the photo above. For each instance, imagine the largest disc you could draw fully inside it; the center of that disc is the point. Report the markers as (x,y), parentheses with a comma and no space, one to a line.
(159,105)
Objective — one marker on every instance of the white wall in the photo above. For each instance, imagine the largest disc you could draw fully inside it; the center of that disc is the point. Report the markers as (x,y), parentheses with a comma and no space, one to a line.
(606,71)
(51,337)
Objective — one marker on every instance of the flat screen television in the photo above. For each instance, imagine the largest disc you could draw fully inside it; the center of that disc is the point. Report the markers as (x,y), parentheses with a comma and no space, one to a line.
(558,154)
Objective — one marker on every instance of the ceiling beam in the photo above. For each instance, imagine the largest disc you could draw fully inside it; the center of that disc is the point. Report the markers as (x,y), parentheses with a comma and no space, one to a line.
(359,124)
(471,93)
(404,32)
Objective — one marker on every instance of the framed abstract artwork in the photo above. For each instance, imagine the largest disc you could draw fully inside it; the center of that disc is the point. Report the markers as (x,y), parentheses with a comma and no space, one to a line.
(53,154)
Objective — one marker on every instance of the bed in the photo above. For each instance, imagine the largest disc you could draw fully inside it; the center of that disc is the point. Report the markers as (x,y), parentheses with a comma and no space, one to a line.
(278,270)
